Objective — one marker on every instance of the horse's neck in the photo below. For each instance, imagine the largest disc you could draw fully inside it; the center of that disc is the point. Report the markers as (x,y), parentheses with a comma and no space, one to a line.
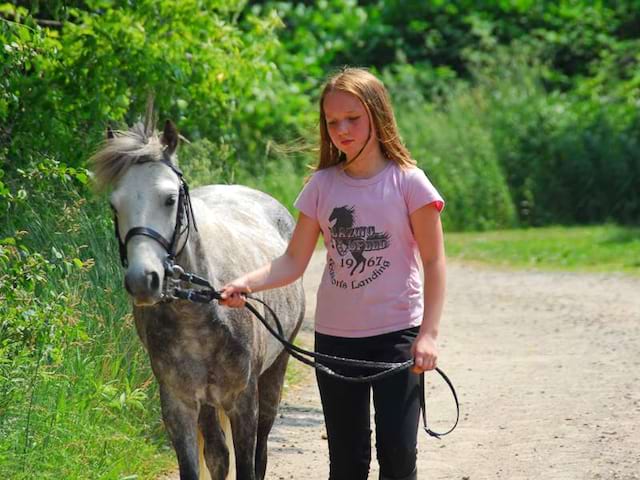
(193,258)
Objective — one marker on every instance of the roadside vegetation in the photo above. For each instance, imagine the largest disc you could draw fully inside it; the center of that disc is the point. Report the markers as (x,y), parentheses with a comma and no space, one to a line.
(603,248)
(524,114)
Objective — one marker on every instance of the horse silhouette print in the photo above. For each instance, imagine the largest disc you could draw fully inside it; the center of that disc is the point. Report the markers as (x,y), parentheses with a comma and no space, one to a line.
(349,238)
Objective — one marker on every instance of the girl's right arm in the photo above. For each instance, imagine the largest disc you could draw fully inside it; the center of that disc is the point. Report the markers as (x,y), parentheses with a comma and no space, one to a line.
(280,272)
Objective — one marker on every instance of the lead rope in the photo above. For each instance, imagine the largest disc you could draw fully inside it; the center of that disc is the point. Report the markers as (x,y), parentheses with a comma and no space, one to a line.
(307,357)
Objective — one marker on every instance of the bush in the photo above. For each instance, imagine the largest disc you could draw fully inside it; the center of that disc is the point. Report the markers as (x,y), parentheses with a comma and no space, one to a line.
(454,147)
(72,372)
(568,157)
(503,150)
(214,77)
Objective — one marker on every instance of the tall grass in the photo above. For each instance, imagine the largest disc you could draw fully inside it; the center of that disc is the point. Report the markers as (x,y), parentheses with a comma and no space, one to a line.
(453,145)
(77,398)
(281,174)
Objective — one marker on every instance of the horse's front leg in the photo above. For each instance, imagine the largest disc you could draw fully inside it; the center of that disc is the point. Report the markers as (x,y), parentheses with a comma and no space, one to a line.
(180,419)
(360,260)
(244,426)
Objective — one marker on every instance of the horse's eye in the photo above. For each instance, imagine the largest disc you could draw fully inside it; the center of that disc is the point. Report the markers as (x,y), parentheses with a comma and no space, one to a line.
(113,209)
(170,201)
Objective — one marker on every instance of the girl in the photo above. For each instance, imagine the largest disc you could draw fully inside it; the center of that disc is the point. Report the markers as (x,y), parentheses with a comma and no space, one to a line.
(376,210)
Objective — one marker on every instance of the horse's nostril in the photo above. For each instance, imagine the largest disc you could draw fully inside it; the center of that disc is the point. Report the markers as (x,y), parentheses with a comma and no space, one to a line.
(154,281)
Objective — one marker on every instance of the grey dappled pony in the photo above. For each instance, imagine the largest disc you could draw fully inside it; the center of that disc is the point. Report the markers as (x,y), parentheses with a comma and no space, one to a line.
(220,373)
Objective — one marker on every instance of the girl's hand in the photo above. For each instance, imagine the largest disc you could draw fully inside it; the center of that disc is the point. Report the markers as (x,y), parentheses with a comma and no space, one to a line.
(425,353)
(232,292)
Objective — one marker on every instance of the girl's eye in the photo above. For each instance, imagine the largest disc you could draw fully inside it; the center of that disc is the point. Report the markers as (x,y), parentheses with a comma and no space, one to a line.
(353,119)
(170,201)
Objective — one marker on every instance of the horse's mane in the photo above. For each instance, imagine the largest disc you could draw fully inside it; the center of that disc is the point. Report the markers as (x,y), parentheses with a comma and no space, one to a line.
(139,144)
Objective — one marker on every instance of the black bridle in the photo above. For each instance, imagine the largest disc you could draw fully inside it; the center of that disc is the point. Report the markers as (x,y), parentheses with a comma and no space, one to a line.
(184,219)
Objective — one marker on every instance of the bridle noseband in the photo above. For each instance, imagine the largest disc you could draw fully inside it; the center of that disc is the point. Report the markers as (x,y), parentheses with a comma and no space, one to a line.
(184,219)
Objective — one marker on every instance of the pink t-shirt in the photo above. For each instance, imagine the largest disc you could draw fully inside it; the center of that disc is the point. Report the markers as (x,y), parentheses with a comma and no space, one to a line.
(371,283)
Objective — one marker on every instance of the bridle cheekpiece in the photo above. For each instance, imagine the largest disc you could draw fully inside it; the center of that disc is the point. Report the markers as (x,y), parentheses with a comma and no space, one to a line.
(184,220)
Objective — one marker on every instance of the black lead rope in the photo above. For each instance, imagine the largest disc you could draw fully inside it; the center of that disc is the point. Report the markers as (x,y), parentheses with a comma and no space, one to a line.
(389,368)
(315,359)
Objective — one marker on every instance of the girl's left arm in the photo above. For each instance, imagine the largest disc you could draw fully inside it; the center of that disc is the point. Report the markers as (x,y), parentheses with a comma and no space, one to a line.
(427,231)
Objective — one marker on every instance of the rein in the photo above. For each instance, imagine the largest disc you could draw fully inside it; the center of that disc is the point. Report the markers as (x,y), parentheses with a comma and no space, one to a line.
(176,275)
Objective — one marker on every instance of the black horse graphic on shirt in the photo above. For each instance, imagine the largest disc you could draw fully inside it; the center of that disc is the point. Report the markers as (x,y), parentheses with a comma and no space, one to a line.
(347,237)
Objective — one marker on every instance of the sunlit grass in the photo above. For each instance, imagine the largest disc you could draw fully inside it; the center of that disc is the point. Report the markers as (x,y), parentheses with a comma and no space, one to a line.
(605,248)
(80,401)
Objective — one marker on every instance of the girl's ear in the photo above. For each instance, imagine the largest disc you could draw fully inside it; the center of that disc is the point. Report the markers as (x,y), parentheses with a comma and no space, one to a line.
(170,137)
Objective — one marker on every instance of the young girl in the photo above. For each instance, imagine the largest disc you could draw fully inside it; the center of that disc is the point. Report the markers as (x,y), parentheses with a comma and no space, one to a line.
(376,211)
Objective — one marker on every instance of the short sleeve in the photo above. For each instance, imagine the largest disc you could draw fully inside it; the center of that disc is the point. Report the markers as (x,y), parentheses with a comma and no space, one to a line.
(419,191)
(307,201)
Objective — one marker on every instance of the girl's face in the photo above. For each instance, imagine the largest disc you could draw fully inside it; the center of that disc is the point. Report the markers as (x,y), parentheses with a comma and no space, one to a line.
(347,122)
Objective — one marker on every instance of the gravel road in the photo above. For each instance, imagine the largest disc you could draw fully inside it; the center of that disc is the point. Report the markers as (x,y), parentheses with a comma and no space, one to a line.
(547,368)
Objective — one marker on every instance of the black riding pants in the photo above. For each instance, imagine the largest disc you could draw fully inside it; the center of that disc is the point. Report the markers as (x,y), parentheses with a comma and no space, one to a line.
(346,407)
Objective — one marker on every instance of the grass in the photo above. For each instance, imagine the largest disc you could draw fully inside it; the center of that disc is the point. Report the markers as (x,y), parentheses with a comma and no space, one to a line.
(604,248)
(77,396)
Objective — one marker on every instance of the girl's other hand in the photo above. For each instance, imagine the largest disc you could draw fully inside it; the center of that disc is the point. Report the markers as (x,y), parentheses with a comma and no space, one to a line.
(425,353)
(232,292)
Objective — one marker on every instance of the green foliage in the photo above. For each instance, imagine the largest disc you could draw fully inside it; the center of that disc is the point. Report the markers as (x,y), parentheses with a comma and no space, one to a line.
(72,372)
(212,77)
(572,36)
(205,162)
(454,147)
(503,149)
(528,108)
(567,157)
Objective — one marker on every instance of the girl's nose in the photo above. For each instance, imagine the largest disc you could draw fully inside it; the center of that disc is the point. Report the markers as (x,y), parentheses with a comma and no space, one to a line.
(343,127)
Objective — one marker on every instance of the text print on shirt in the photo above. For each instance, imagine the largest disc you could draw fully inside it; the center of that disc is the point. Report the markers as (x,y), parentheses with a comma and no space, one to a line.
(346,237)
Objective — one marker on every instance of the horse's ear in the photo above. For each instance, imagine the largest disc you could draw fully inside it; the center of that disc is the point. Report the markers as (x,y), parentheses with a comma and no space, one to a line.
(170,137)
(110,133)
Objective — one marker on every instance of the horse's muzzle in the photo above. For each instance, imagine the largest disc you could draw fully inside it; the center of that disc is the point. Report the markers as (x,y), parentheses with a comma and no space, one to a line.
(144,286)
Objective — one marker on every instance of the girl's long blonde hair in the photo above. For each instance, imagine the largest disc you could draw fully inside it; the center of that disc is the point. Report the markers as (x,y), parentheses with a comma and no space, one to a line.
(373,95)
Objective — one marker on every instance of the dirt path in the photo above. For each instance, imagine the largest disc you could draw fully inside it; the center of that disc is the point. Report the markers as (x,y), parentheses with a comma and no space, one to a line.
(547,367)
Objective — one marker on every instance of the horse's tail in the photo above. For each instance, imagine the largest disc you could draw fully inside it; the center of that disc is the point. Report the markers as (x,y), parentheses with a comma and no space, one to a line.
(225,425)
(204,471)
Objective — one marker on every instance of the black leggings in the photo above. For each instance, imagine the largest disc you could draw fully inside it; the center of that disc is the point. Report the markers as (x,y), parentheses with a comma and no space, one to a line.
(346,407)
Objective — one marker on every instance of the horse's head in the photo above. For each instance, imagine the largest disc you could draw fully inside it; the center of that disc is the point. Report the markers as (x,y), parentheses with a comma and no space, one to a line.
(343,216)
(150,203)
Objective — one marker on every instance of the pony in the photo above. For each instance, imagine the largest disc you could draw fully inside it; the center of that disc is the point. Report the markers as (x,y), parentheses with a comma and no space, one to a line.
(220,373)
